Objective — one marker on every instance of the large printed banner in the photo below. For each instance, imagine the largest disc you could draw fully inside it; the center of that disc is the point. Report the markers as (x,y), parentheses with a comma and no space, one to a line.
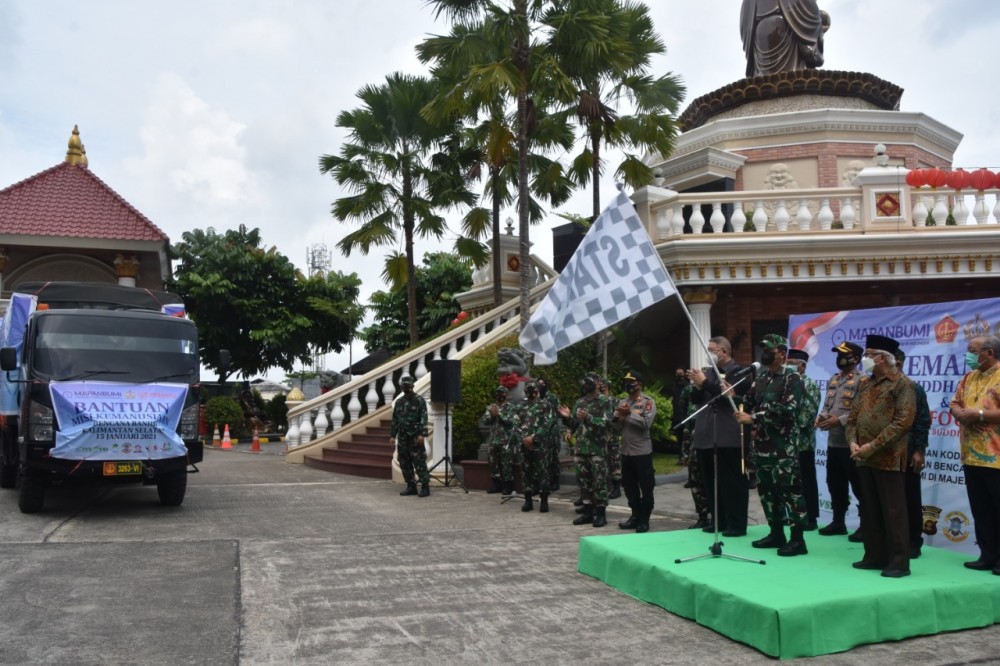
(108,421)
(934,338)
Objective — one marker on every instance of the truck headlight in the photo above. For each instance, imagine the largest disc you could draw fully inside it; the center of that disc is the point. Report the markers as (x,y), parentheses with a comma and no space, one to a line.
(188,427)
(39,422)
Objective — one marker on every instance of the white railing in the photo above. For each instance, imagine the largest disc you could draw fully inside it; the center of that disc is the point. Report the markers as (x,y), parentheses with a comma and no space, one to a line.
(805,210)
(332,411)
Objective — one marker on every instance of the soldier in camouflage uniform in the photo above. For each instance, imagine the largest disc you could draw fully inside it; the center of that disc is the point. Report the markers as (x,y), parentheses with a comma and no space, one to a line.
(556,442)
(538,425)
(589,421)
(501,417)
(407,433)
(798,359)
(772,405)
(614,455)
(689,458)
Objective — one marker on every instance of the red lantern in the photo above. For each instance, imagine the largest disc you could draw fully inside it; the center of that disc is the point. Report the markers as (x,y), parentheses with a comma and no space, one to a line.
(463,315)
(916,178)
(455,322)
(958,179)
(981,179)
(936,177)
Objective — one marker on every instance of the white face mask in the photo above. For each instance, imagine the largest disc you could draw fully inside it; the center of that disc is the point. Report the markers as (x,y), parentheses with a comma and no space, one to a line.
(868,365)
(713,358)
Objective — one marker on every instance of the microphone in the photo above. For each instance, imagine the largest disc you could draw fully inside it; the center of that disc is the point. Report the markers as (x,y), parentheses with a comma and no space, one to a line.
(739,374)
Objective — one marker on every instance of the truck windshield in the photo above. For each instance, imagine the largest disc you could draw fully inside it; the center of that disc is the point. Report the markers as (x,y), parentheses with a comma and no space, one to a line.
(116,349)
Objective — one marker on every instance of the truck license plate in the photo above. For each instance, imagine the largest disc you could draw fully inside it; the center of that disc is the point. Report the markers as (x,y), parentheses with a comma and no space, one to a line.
(122,468)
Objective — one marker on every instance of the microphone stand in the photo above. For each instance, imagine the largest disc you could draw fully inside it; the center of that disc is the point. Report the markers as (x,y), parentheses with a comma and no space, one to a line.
(715,550)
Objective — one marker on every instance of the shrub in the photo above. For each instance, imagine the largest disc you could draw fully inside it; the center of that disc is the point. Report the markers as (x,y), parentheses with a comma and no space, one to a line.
(222,410)
(277,412)
(660,431)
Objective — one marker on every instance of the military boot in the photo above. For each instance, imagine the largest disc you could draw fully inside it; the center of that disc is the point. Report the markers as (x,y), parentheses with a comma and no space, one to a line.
(411,489)
(578,501)
(776,539)
(543,504)
(616,490)
(528,503)
(425,490)
(495,486)
(508,488)
(586,517)
(796,544)
(600,520)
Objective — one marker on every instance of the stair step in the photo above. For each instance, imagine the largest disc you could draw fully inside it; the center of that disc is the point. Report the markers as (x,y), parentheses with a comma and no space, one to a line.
(368,470)
(369,438)
(382,448)
(375,458)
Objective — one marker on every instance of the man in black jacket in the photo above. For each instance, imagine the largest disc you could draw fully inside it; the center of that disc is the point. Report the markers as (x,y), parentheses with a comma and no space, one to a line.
(717,426)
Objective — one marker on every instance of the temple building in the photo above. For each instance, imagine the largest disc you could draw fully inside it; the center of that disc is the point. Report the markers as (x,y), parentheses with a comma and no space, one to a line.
(66,224)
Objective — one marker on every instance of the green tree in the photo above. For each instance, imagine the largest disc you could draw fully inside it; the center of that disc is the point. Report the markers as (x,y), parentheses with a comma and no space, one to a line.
(438,279)
(491,130)
(400,172)
(512,75)
(256,304)
(608,57)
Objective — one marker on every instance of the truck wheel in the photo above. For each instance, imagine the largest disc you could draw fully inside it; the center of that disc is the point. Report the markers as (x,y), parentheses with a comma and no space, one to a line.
(31,497)
(8,472)
(171,487)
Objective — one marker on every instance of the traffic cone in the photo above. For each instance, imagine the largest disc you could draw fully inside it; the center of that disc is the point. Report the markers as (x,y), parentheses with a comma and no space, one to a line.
(216,440)
(255,444)
(227,443)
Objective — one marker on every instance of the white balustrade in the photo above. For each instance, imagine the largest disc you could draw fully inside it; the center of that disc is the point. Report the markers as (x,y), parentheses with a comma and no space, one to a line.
(979,209)
(337,415)
(421,369)
(847,215)
(354,405)
(960,211)
(662,224)
(739,218)
(781,216)
(322,423)
(940,211)
(293,434)
(996,211)
(825,215)
(677,222)
(803,218)
(371,397)
(697,220)
(306,427)
(920,211)
(760,216)
(388,390)
(717,220)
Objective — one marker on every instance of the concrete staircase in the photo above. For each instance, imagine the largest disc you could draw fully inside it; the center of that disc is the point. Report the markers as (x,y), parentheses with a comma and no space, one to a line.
(365,454)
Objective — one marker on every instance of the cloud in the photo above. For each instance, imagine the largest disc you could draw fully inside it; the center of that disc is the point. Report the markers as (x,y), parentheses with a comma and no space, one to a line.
(257,36)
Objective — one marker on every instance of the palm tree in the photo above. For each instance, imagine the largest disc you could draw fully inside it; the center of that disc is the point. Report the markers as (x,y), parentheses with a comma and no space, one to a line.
(401,172)
(512,75)
(608,59)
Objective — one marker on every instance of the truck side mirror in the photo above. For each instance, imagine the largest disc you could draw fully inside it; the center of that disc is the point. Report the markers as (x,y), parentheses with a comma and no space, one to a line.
(224,361)
(8,359)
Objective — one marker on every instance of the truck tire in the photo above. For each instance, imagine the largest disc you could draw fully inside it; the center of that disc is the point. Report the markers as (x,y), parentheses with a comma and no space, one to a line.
(31,496)
(171,487)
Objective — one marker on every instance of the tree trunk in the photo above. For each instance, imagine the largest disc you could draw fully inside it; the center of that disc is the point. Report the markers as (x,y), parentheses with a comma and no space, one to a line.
(521,55)
(497,270)
(411,269)
(595,149)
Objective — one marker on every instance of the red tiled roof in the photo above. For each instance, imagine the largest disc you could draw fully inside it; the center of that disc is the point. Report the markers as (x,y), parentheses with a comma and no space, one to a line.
(71,202)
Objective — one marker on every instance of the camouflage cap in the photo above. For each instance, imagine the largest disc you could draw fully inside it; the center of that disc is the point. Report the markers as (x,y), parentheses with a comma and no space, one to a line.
(593,376)
(406,380)
(531,386)
(501,390)
(773,341)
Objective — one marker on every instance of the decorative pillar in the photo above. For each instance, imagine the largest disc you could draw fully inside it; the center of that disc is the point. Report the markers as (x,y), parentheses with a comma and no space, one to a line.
(126,270)
(699,301)
(293,400)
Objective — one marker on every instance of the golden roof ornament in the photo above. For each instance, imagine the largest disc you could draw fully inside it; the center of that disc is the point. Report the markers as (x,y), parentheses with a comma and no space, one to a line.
(75,154)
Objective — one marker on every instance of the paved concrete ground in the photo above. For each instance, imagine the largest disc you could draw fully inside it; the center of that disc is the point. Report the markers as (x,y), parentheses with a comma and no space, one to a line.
(270,563)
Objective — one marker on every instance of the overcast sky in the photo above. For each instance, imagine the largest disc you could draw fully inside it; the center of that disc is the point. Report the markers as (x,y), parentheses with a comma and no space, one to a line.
(215,112)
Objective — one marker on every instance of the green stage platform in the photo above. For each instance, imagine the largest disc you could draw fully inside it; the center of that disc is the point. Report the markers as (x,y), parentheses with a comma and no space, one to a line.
(793,606)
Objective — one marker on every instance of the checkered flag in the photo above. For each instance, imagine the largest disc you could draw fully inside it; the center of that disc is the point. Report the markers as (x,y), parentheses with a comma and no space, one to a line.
(614,274)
